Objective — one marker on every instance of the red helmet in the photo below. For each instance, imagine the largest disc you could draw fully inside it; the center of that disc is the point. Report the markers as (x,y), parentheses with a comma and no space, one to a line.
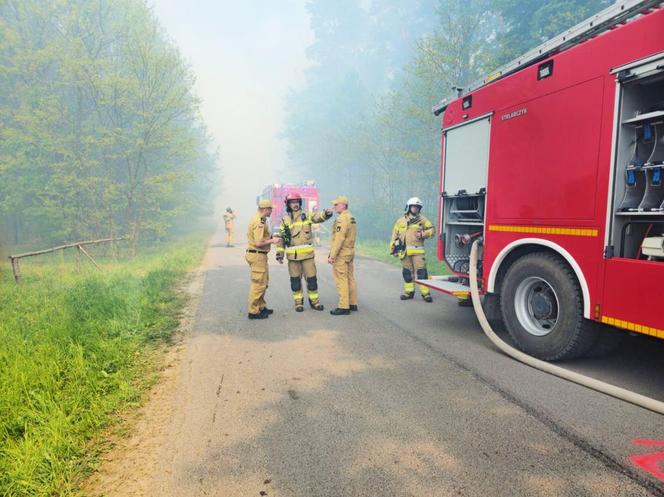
(293,196)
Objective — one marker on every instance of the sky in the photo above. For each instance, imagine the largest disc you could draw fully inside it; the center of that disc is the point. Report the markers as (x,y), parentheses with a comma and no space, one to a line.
(245,54)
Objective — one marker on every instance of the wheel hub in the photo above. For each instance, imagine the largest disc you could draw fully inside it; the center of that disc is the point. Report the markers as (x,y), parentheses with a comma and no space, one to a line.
(536,305)
(542,305)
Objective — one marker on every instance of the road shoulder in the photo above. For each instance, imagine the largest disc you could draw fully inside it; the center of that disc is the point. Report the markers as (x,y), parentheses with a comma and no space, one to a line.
(130,449)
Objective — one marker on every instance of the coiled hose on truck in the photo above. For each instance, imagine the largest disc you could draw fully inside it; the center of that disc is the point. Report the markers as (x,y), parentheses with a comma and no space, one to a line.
(600,386)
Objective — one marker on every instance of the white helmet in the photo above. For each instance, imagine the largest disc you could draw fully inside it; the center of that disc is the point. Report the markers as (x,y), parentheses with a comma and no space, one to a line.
(413,201)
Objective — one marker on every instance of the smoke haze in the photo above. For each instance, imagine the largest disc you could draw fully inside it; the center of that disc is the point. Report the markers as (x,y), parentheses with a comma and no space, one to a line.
(246,56)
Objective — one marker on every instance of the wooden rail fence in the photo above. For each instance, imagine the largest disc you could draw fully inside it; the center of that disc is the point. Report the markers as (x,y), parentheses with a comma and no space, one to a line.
(15,259)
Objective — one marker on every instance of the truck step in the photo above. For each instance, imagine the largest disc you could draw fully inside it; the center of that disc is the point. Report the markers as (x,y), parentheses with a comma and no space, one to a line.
(442,284)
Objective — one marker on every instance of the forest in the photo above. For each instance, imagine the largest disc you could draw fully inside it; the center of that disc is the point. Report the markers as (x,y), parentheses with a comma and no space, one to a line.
(101,133)
(362,125)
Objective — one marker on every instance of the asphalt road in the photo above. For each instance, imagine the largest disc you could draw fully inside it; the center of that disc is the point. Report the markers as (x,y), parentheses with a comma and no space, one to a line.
(398,399)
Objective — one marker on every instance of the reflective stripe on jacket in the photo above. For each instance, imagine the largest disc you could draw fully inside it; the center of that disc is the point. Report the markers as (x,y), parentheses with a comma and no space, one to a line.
(406,228)
(299,226)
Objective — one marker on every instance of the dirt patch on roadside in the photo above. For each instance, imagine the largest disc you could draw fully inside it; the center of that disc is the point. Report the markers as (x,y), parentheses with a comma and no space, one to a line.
(126,468)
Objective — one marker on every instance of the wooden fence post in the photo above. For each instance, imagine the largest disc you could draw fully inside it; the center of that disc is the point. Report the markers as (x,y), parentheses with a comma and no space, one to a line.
(78,258)
(16,269)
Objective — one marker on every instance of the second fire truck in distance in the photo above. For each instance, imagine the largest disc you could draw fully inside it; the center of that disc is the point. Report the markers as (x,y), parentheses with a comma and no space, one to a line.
(276,193)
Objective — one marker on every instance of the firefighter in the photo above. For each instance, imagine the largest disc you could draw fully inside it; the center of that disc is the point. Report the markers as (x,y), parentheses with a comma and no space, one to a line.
(342,253)
(229,216)
(407,243)
(297,243)
(258,246)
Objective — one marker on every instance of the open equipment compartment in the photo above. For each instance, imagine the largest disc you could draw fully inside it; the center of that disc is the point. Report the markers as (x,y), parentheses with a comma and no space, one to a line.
(638,189)
(464,189)
(463,223)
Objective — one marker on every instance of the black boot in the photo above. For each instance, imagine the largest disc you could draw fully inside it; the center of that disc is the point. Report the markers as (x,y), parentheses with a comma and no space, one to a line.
(267,311)
(317,306)
(353,307)
(259,315)
(299,308)
(407,296)
(340,312)
(427,298)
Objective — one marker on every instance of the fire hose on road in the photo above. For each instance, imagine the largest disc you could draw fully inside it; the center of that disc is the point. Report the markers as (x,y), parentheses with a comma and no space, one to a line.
(600,386)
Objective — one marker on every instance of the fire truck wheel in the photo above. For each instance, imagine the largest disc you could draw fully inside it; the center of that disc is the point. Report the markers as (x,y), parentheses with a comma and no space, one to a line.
(542,307)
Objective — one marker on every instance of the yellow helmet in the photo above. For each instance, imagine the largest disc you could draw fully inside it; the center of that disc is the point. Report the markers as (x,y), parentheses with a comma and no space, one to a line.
(341,199)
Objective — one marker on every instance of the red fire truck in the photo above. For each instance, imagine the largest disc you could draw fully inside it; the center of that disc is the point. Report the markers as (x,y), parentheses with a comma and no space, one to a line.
(276,193)
(555,162)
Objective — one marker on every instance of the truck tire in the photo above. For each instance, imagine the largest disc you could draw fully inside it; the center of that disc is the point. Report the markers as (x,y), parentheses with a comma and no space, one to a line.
(542,307)
(494,315)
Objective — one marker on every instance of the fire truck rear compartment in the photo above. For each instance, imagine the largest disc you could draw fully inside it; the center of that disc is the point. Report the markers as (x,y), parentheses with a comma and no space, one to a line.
(639,175)
(465,218)
(464,195)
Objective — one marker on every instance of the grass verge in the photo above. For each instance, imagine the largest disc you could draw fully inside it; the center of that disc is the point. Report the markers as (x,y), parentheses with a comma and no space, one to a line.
(77,349)
(379,250)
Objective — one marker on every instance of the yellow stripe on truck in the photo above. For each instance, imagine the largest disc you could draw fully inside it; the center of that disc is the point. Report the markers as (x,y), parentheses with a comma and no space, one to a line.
(545,230)
(635,327)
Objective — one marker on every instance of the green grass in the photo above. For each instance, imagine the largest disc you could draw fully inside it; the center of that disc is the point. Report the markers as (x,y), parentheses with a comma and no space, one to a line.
(76,350)
(379,250)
